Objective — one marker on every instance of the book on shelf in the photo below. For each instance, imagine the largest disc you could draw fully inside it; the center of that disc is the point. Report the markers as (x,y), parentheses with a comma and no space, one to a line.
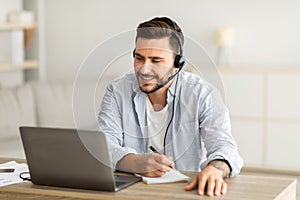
(12,47)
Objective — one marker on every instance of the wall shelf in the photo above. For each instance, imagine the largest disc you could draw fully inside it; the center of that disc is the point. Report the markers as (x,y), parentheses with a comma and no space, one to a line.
(29,64)
(28,51)
(25,69)
(28,30)
(12,26)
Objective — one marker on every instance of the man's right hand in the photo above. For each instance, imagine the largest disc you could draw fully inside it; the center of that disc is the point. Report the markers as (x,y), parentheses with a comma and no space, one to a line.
(151,165)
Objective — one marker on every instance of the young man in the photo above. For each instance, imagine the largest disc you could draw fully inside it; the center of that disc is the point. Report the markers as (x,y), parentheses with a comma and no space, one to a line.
(178,113)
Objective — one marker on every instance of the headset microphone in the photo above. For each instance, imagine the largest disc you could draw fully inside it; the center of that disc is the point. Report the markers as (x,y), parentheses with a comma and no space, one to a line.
(165,82)
(171,77)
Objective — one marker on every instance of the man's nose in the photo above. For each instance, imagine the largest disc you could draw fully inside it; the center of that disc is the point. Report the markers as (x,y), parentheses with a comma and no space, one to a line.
(146,68)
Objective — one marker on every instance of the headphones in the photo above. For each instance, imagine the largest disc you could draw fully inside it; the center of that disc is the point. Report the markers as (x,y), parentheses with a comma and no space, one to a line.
(179,60)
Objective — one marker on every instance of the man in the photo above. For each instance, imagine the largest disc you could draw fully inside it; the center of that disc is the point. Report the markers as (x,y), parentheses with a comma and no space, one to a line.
(175,112)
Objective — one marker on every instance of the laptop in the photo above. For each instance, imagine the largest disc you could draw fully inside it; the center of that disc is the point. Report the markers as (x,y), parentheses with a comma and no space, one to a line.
(71,158)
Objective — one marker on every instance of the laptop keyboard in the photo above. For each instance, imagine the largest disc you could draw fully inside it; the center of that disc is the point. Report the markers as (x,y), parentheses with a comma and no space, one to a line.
(120,180)
(123,181)
(119,183)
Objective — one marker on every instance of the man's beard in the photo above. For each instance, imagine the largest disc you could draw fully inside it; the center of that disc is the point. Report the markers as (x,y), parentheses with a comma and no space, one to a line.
(159,83)
(154,88)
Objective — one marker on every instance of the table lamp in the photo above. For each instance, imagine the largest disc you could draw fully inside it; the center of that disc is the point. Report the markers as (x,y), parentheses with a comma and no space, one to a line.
(224,40)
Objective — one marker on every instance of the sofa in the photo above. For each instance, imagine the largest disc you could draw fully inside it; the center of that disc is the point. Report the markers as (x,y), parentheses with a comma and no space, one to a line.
(42,104)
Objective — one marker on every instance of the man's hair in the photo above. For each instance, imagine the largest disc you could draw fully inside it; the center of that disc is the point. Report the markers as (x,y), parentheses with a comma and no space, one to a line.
(160,27)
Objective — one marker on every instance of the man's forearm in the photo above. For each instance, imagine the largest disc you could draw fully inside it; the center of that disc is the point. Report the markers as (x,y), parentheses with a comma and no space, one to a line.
(222,166)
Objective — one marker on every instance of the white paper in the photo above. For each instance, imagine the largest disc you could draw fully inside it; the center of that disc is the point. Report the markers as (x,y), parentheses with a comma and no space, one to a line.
(8,178)
(168,177)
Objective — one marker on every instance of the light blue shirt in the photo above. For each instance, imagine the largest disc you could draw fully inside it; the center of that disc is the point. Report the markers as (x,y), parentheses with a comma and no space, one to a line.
(199,132)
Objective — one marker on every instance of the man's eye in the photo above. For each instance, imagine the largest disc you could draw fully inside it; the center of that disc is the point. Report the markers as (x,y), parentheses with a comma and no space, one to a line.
(156,61)
(139,58)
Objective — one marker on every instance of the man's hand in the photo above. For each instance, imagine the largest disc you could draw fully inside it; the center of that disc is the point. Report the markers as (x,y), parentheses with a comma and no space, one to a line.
(151,165)
(155,165)
(210,180)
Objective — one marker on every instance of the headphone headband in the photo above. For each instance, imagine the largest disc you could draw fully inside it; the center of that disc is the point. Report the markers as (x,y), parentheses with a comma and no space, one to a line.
(175,32)
(179,60)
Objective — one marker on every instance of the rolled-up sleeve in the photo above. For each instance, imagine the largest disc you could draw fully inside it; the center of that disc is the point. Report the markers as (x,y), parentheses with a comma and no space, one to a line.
(110,123)
(215,130)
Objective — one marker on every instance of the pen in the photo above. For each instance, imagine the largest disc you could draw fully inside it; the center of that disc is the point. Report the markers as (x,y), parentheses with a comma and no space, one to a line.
(155,151)
(7,170)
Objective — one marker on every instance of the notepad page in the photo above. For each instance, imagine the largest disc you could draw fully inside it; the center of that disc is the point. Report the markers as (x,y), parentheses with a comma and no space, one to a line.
(12,178)
(168,177)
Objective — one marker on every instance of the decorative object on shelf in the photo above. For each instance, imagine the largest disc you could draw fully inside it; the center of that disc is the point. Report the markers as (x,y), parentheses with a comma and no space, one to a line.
(22,17)
(12,46)
(224,39)
(17,47)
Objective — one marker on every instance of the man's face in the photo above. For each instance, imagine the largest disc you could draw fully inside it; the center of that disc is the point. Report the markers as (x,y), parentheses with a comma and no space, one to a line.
(153,63)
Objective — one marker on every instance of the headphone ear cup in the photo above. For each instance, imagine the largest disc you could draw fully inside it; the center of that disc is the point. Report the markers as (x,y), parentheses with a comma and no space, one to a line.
(179,61)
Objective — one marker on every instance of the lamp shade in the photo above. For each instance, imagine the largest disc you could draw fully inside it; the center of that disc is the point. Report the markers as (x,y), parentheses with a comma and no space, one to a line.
(225,36)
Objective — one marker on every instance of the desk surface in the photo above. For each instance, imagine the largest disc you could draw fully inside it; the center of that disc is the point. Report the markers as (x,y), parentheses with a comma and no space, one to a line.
(240,187)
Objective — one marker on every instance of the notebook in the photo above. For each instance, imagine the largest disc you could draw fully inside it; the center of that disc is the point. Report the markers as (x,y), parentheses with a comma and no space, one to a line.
(169,177)
(71,158)
(9,172)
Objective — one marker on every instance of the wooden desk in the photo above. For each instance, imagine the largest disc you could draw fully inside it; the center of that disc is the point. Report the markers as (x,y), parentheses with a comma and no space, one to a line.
(240,187)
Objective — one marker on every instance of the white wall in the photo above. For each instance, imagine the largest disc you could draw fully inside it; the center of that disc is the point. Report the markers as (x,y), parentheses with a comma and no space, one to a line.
(267,35)
(267,32)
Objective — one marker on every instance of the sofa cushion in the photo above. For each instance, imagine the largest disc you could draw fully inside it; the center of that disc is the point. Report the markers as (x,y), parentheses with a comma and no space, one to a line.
(11,148)
(55,108)
(54,104)
(16,109)
(43,104)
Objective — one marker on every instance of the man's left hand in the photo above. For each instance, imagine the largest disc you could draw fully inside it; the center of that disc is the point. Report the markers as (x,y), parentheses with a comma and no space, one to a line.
(210,180)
